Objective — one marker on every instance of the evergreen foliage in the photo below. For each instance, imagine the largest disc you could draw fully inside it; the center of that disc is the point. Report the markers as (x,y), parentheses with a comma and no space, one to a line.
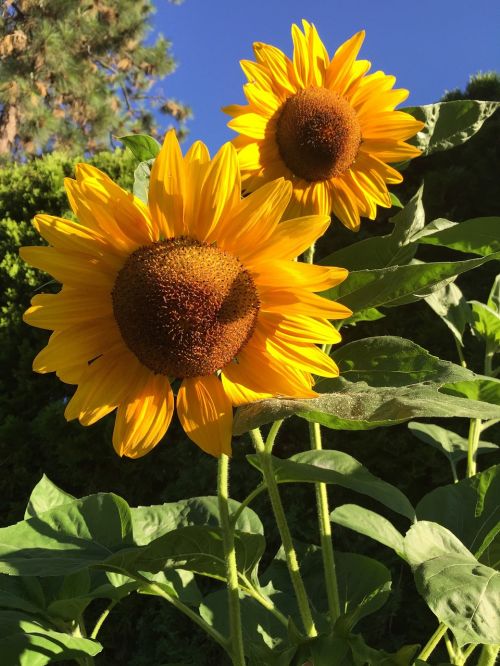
(73,73)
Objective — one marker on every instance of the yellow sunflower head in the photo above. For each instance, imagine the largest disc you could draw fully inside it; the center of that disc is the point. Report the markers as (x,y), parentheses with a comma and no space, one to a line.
(324,125)
(198,286)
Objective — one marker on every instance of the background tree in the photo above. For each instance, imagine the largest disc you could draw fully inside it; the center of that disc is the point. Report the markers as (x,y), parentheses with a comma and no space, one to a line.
(75,72)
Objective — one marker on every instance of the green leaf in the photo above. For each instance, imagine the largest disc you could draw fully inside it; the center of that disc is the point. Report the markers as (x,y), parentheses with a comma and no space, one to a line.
(28,641)
(480,235)
(141,181)
(341,469)
(449,124)
(494,297)
(452,445)
(22,593)
(177,582)
(468,508)
(142,146)
(482,389)
(46,495)
(361,407)
(392,361)
(398,285)
(463,593)
(198,549)
(383,251)
(449,303)
(151,522)
(370,524)
(370,314)
(395,201)
(486,322)
(68,538)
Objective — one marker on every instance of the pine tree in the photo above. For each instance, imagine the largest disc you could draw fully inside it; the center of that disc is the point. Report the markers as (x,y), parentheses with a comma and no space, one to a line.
(75,72)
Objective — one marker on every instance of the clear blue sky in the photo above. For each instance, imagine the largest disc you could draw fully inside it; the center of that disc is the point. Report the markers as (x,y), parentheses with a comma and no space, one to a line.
(429,45)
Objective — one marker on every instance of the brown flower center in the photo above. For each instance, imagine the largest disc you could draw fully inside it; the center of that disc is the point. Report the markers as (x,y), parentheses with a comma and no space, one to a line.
(318,134)
(184,308)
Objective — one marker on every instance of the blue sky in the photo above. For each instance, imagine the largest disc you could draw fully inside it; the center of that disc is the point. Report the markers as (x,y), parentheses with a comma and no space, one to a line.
(429,45)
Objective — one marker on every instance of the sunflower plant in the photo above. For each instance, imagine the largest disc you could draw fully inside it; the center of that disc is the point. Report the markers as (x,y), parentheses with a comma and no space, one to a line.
(198,294)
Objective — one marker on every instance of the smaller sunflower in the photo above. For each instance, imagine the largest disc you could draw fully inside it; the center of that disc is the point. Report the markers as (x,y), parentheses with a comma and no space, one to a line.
(199,286)
(324,126)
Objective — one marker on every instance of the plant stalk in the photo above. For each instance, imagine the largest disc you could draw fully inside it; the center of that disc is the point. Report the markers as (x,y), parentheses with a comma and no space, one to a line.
(102,617)
(473,442)
(325,531)
(432,642)
(236,631)
(488,655)
(286,538)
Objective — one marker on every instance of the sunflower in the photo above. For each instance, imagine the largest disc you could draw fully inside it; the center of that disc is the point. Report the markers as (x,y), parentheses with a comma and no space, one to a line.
(198,287)
(323,125)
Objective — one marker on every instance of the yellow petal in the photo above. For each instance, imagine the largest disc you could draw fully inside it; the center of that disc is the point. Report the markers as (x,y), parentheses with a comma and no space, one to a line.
(67,308)
(339,72)
(300,56)
(263,101)
(103,385)
(196,165)
(318,55)
(76,345)
(278,65)
(281,274)
(395,125)
(250,124)
(298,329)
(76,270)
(345,206)
(143,419)
(254,218)
(301,302)
(306,357)
(389,151)
(256,74)
(167,188)
(206,414)
(221,192)
(256,375)
(290,239)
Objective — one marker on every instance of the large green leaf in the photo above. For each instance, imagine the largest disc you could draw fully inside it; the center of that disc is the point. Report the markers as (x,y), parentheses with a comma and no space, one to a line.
(28,641)
(470,509)
(151,522)
(480,235)
(341,469)
(370,524)
(383,251)
(361,407)
(450,304)
(142,146)
(452,445)
(67,538)
(392,361)
(196,548)
(448,124)
(399,285)
(46,495)
(486,323)
(22,593)
(485,389)
(463,593)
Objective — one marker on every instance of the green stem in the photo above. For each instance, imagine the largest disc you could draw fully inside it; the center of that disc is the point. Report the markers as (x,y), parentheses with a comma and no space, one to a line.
(488,424)
(80,631)
(177,603)
(286,537)
(432,642)
(488,655)
(488,360)
(236,632)
(309,254)
(468,651)
(102,617)
(255,493)
(473,442)
(271,437)
(452,654)
(325,532)
(460,353)
(263,600)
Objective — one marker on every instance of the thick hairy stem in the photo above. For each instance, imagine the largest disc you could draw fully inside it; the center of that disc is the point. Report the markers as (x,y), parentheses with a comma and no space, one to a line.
(236,632)
(474,434)
(286,537)
(325,531)
(432,642)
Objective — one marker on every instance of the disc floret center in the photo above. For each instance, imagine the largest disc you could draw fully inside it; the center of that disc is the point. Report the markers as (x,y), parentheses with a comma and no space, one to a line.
(183,307)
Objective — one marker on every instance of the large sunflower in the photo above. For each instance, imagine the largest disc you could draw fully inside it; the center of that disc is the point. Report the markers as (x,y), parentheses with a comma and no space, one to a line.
(199,285)
(324,126)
